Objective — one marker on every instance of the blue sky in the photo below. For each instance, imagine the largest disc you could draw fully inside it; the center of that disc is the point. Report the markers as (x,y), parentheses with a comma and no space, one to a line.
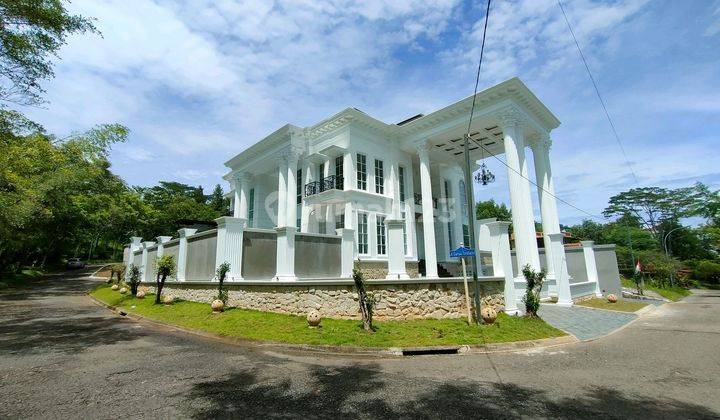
(199,81)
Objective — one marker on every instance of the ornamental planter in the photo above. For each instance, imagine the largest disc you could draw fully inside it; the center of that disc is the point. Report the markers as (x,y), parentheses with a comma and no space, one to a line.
(217,306)
(612,298)
(313,319)
(488,314)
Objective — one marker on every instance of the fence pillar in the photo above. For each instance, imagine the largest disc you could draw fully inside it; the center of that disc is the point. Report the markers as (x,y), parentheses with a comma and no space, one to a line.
(347,251)
(591,265)
(161,241)
(484,242)
(135,244)
(395,251)
(502,265)
(559,263)
(183,234)
(285,258)
(144,261)
(229,249)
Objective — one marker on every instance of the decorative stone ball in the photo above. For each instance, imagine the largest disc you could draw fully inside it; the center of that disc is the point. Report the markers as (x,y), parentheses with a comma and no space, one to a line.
(217,305)
(140,294)
(611,298)
(168,300)
(488,314)
(114,287)
(313,318)
(123,290)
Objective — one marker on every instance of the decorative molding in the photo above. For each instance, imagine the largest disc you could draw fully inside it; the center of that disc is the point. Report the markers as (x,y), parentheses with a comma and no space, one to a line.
(510,116)
(540,142)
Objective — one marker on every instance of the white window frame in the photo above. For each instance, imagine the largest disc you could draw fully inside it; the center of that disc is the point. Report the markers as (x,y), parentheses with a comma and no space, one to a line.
(361,171)
(363,246)
(379,171)
(251,206)
(380,235)
(401,182)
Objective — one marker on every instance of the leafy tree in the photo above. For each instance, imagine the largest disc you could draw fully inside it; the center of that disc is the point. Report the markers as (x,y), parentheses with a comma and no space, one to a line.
(588,230)
(218,202)
(31,34)
(220,274)
(489,208)
(164,267)
(532,293)
(199,195)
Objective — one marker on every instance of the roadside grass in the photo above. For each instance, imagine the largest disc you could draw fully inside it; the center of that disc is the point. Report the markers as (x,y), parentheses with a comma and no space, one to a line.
(18,279)
(268,326)
(620,305)
(673,293)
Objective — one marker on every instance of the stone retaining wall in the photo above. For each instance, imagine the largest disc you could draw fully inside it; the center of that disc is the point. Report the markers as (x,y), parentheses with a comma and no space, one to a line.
(406,300)
(379,269)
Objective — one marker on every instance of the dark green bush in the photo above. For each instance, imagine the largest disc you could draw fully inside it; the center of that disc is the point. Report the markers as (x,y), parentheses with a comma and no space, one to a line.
(707,271)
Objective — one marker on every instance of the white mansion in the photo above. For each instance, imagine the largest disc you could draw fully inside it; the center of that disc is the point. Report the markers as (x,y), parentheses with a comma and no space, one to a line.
(399,181)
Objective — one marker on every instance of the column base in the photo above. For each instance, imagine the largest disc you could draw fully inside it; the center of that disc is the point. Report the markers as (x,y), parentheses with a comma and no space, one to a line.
(397,276)
(286,278)
(565,304)
(513,312)
(234,277)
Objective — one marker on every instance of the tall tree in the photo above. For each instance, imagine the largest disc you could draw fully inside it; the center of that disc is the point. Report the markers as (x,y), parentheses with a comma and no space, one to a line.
(31,33)
(218,201)
(489,208)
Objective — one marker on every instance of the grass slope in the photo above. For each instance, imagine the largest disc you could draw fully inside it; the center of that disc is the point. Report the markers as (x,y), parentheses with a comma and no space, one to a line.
(674,293)
(620,305)
(267,326)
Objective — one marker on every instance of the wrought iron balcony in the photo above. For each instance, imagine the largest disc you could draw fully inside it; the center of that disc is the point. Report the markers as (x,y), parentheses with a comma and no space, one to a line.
(331,182)
(418,200)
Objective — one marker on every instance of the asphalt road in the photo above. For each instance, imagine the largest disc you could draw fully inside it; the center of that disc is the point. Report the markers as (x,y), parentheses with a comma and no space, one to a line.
(61,356)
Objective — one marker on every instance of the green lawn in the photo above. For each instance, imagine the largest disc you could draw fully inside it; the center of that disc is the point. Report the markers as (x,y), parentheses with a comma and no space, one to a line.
(620,305)
(671,293)
(18,279)
(267,326)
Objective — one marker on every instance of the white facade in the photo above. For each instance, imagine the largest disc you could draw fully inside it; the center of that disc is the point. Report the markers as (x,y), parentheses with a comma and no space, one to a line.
(389,181)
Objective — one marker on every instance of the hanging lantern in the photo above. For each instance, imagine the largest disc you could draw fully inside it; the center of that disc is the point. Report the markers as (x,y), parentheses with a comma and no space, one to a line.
(484,176)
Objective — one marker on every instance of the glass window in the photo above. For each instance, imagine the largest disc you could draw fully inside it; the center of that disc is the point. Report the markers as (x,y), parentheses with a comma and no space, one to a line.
(321,171)
(251,205)
(298,186)
(402,215)
(322,226)
(339,166)
(451,242)
(463,200)
(298,222)
(379,177)
(466,236)
(401,180)
(380,234)
(362,233)
(340,221)
(361,172)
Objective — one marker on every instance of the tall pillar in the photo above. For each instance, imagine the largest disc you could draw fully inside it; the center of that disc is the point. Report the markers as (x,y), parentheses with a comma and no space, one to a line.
(161,241)
(145,270)
(427,210)
(502,265)
(182,253)
(282,192)
(395,226)
(591,265)
(135,244)
(229,246)
(349,175)
(242,185)
(554,241)
(520,201)
(306,211)
(347,252)
(291,197)
(546,196)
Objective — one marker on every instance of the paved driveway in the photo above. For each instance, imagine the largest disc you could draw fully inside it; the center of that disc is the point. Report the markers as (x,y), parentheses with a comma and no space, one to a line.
(584,323)
(63,357)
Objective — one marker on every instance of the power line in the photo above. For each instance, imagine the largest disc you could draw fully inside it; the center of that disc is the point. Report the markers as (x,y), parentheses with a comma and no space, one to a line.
(477,78)
(597,92)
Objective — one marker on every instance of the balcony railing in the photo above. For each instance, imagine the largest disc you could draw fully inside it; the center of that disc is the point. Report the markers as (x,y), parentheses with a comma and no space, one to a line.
(331,182)
(418,200)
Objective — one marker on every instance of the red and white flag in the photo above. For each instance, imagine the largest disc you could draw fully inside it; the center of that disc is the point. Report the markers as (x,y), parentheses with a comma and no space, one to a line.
(638,267)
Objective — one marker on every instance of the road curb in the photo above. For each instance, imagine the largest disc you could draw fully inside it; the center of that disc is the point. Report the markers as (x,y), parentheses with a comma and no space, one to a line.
(510,347)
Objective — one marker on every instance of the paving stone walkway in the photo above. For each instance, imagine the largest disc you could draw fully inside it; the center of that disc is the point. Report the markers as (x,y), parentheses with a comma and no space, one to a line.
(584,323)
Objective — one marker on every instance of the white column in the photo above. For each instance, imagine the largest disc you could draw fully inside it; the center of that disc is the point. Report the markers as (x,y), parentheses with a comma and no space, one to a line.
(182,252)
(591,265)
(347,252)
(460,215)
(484,242)
(291,197)
(394,227)
(161,241)
(135,244)
(242,186)
(559,263)
(145,274)
(546,195)
(236,195)
(306,211)
(427,210)
(502,265)
(521,203)
(282,192)
(229,245)
(349,175)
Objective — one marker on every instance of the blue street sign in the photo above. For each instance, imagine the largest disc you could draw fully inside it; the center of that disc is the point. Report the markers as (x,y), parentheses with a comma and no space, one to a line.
(462,252)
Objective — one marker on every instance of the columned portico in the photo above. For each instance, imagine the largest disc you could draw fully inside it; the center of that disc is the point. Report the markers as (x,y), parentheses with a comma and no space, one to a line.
(427,212)
(520,200)
(242,185)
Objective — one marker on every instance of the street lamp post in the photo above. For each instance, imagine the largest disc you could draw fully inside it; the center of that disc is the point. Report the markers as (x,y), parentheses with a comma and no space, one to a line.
(667,254)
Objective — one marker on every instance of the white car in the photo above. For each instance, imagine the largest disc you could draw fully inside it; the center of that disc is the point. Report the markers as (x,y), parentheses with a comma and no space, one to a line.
(75,263)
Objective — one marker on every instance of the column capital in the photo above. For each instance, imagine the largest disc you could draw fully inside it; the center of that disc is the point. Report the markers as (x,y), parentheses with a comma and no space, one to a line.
(148,244)
(540,142)
(164,239)
(292,155)
(510,116)
(185,232)
(587,244)
(240,176)
(423,148)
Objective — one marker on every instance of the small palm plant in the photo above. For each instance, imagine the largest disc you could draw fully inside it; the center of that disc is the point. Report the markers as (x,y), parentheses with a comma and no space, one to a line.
(532,293)
(165,267)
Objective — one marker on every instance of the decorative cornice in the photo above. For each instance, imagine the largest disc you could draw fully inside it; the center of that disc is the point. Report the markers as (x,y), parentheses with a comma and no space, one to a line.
(540,142)
(510,116)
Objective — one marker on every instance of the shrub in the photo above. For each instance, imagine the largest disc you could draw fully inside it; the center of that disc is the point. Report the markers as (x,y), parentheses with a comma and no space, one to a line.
(133,279)
(220,274)
(532,293)
(366,300)
(707,271)
(658,266)
(165,267)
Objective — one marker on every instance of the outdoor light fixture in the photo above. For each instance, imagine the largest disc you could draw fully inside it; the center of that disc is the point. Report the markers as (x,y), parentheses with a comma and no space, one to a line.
(484,176)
